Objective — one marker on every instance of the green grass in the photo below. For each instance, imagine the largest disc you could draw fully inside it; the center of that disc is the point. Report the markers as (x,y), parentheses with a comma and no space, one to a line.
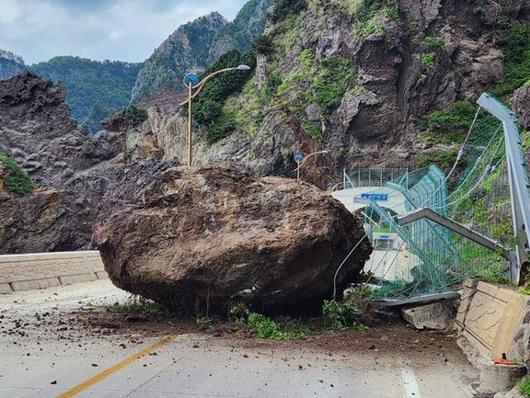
(265,327)
(451,124)
(336,75)
(435,41)
(133,116)
(428,60)
(139,305)
(18,180)
(524,386)
(341,315)
(524,290)
(445,159)
(517,59)
(208,106)
(312,130)
(487,265)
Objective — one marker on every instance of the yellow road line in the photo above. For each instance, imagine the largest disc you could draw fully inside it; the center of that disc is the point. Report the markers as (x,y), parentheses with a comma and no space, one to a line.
(107,372)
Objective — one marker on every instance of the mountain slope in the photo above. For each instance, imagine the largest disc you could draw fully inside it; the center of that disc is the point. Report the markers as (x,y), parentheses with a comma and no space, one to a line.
(10,64)
(358,79)
(239,34)
(94,89)
(185,49)
(196,45)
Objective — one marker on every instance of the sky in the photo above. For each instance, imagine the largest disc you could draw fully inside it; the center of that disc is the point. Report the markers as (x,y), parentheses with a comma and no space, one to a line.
(125,30)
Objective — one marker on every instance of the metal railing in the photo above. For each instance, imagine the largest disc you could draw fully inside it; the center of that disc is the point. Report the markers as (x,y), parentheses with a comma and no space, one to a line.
(371,177)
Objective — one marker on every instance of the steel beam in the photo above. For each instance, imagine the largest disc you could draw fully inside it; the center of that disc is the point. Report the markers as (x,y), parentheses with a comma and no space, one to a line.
(454,226)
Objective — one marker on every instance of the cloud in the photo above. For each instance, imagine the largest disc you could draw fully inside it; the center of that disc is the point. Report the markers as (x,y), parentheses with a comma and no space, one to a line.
(126,30)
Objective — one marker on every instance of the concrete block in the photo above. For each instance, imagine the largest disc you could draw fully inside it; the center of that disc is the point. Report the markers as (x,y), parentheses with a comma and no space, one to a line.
(429,316)
(70,279)
(25,285)
(5,288)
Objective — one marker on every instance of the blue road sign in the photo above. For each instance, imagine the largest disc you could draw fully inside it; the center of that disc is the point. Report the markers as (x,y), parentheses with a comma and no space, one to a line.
(298,157)
(191,78)
(374,196)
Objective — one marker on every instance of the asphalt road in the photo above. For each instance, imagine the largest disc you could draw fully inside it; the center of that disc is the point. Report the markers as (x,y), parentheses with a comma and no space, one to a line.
(43,356)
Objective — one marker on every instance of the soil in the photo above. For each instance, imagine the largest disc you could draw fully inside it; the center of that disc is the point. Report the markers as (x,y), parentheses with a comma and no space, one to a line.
(388,336)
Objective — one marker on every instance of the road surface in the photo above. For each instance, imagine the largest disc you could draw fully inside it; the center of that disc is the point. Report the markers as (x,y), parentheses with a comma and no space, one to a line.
(47,351)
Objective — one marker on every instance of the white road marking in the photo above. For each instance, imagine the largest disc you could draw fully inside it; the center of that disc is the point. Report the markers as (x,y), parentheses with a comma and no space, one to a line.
(410,385)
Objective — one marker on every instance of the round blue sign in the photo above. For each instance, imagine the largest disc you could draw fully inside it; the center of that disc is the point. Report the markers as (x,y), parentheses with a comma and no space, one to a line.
(298,157)
(191,78)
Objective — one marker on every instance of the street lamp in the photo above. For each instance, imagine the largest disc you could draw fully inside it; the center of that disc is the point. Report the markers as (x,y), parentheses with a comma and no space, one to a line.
(300,160)
(193,83)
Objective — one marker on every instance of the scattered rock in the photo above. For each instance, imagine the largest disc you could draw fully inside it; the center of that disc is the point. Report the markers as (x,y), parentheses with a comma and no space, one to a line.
(429,316)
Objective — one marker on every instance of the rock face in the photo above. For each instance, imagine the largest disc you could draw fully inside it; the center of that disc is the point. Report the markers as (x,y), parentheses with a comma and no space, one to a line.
(521,106)
(398,60)
(73,168)
(34,223)
(214,235)
(10,64)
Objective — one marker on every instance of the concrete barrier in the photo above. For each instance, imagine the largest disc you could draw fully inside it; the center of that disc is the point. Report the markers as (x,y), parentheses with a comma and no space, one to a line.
(495,319)
(39,271)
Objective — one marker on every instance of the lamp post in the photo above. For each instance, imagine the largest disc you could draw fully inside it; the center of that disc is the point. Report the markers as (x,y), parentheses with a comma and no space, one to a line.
(300,160)
(193,83)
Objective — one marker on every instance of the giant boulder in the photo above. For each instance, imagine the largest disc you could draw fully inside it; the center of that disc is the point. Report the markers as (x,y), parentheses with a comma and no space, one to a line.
(197,237)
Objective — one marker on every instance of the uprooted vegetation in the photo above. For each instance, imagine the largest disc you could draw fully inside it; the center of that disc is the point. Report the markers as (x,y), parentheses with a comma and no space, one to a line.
(336,315)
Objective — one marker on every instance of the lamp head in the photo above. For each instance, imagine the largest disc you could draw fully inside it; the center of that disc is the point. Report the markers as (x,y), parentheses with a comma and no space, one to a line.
(243,67)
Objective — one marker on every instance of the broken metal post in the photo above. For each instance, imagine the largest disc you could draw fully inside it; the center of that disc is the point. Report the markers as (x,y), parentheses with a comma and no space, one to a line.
(458,228)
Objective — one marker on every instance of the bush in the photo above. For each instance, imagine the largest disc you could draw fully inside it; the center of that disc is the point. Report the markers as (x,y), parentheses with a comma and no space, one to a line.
(452,124)
(428,59)
(17,180)
(435,41)
(133,116)
(221,128)
(312,130)
(445,159)
(208,106)
(524,386)
(263,44)
(140,305)
(336,76)
(284,8)
(267,328)
(238,312)
(517,59)
(341,315)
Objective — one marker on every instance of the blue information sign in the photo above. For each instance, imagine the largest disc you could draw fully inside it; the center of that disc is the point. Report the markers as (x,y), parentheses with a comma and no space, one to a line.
(298,157)
(374,196)
(191,78)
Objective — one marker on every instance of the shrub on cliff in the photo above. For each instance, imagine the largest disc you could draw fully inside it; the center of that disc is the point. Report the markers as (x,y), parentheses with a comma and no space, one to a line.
(17,181)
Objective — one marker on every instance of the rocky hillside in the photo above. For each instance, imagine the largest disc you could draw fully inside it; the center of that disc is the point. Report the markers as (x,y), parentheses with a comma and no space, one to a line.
(10,64)
(195,45)
(53,174)
(375,82)
(93,89)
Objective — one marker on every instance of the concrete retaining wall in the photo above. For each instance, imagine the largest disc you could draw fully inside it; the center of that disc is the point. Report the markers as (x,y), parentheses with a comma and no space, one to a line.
(495,319)
(38,271)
